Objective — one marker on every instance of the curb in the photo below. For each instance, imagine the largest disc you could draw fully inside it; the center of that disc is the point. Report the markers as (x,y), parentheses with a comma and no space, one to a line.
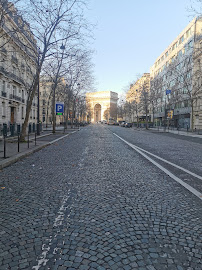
(9,161)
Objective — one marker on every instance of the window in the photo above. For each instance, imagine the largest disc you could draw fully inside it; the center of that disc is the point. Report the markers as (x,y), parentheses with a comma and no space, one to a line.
(188,33)
(22,112)
(180,53)
(43,111)
(181,39)
(3,109)
(190,44)
(4,86)
(14,90)
(166,54)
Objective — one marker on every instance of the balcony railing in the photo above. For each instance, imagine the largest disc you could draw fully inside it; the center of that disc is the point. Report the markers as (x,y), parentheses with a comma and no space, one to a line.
(11,75)
(15,97)
(4,94)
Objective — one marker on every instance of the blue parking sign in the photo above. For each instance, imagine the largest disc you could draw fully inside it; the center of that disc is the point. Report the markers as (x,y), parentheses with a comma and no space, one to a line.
(59,108)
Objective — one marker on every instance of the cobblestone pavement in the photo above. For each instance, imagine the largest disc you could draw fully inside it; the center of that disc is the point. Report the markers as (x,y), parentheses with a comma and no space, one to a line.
(91,202)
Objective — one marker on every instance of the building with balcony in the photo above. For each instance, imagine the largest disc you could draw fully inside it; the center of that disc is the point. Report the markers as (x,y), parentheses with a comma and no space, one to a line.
(176,80)
(46,99)
(18,63)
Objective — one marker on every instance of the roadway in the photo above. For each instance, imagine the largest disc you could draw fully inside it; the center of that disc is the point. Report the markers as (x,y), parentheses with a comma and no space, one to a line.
(97,200)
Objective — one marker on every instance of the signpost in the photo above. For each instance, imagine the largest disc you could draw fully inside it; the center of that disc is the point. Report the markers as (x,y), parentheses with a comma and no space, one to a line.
(59,108)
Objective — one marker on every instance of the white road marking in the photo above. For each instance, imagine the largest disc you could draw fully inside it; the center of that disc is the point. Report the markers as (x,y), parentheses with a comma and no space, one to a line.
(42,260)
(177,179)
(170,163)
(61,138)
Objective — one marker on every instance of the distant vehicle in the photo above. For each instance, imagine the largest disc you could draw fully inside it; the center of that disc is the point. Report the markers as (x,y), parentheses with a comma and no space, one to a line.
(128,125)
(116,123)
(123,124)
(111,121)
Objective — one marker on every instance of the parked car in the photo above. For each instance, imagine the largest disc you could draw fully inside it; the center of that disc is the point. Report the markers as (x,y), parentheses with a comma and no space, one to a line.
(128,125)
(123,124)
(111,121)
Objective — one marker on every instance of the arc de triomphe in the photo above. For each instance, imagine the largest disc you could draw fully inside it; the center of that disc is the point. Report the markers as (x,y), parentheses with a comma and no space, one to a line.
(102,105)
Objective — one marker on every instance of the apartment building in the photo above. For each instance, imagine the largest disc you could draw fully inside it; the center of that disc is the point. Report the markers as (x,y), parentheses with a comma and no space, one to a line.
(46,99)
(18,63)
(173,80)
(137,105)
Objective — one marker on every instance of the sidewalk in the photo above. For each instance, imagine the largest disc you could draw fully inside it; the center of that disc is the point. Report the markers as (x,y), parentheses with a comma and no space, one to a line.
(44,139)
(177,132)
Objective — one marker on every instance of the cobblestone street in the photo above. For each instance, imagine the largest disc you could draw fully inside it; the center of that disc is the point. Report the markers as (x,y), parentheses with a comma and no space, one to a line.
(90,201)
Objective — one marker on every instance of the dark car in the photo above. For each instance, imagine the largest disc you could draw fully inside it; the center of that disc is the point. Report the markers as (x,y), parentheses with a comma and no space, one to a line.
(128,125)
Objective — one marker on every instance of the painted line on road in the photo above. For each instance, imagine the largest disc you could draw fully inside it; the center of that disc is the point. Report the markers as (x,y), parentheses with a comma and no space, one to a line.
(42,259)
(56,140)
(177,179)
(168,162)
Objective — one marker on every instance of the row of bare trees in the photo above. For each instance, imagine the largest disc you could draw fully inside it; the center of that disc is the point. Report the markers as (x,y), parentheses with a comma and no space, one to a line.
(62,35)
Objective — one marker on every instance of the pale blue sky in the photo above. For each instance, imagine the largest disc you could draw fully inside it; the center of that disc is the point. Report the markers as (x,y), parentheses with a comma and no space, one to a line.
(130,35)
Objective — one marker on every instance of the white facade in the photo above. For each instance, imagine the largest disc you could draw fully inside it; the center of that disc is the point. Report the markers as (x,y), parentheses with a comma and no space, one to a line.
(17,71)
(175,70)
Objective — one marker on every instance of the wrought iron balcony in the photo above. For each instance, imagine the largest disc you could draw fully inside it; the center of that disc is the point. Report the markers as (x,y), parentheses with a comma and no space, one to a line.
(4,94)
(15,97)
(11,75)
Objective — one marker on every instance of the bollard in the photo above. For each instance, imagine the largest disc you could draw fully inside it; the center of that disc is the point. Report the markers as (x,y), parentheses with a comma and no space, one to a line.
(18,142)
(28,140)
(35,138)
(4,146)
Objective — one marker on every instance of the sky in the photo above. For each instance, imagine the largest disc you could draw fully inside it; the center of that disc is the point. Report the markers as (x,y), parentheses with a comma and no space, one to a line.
(130,35)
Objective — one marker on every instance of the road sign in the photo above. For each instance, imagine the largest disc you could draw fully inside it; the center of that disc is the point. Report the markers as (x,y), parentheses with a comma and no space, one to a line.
(169,114)
(59,108)
(168,91)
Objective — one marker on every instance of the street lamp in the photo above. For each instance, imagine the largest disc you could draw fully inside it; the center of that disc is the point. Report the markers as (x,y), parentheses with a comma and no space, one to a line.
(38,98)
(62,47)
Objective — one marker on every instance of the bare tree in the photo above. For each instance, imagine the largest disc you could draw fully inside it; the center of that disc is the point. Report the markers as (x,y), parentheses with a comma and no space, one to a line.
(145,99)
(195,8)
(52,23)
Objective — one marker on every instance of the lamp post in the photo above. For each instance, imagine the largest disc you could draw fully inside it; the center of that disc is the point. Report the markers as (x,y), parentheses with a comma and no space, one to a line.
(54,87)
(38,99)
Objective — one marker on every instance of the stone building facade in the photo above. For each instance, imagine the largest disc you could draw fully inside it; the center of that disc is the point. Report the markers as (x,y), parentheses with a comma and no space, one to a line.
(101,105)
(177,69)
(137,98)
(18,63)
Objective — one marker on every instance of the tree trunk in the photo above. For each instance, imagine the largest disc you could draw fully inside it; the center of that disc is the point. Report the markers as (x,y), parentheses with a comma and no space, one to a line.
(192,116)
(53,111)
(28,109)
(146,119)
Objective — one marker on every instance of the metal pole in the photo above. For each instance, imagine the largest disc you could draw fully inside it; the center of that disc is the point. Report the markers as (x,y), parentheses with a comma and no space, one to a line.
(18,142)
(28,139)
(35,138)
(4,146)
(38,108)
